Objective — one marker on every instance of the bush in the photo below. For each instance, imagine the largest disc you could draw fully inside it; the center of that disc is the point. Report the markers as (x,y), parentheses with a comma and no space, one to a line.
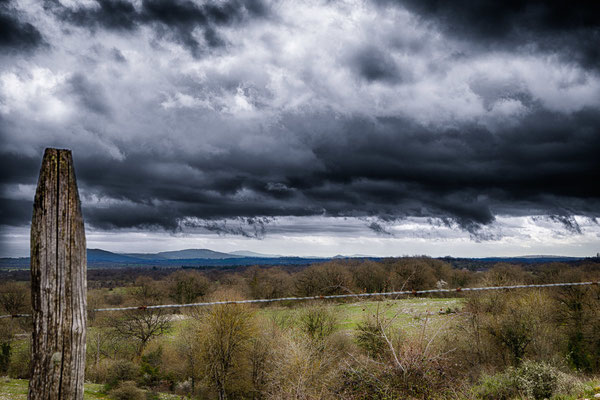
(536,380)
(121,371)
(301,370)
(127,391)
(150,368)
(20,359)
(496,387)
(368,380)
(4,356)
(317,322)
(369,337)
(323,279)
(187,286)
(224,338)
(268,283)
(508,328)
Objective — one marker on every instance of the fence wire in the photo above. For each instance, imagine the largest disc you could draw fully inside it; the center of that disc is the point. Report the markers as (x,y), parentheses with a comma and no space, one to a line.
(334,296)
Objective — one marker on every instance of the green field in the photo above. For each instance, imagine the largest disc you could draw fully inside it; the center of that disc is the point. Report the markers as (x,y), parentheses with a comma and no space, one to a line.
(404,312)
(16,389)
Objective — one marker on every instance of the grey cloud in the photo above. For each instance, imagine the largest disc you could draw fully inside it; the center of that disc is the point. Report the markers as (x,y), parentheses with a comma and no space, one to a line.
(379,229)
(386,167)
(110,14)
(89,94)
(571,29)
(373,64)
(174,20)
(255,228)
(331,154)
(15,34)
(568,222)
(118,56)
(492,91)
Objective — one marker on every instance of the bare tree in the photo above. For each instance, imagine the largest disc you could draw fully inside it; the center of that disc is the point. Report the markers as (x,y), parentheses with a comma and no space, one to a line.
(142,325)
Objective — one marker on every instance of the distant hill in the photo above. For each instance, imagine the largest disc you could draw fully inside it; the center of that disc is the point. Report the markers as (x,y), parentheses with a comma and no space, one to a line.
(186,254)
(198,258)
(247,253)
(487,262)
(355,256)
(530,259)
(99,255)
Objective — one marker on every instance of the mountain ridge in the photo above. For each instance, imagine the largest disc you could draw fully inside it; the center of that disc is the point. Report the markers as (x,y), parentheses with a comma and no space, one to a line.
(195,258)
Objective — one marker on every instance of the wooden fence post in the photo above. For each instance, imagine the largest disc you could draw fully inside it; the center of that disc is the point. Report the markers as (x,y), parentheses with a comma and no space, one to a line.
(58,283)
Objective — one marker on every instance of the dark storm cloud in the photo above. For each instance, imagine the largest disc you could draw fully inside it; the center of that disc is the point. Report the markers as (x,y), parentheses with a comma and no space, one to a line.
(362,167)
(15,212)
(567,27)
(255,228)
(17,168)
(109,14)
(174,20)
(16,35)
(568,222)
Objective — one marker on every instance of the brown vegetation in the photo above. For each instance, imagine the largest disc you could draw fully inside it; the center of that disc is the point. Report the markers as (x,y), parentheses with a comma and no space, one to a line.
(530,343)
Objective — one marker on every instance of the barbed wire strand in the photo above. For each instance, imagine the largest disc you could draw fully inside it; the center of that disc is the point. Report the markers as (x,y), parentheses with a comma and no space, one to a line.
(334,296)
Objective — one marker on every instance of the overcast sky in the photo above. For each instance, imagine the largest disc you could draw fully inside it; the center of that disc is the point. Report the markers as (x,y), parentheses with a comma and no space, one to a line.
(465,128)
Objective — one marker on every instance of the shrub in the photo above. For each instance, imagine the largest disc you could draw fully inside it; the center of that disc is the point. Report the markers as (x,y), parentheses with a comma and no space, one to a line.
(15,297)
(4,356)
(366,379)
(187,286)
(536,380)
(500,386)
(578,313)
(507,328)
(412,273)
(370,276)
(317,322)
(127,391)
(150,367)
(301,370)
(268,283)
(20,359)
(224,338)
(121,371)
(369,337)
(323,279)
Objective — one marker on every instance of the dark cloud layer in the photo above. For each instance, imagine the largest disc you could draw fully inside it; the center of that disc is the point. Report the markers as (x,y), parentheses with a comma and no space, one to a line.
(16,35)
(175,20)
(386,167)
(567,27)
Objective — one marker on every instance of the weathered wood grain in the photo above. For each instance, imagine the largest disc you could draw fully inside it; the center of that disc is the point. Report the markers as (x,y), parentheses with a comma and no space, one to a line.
(58,282)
